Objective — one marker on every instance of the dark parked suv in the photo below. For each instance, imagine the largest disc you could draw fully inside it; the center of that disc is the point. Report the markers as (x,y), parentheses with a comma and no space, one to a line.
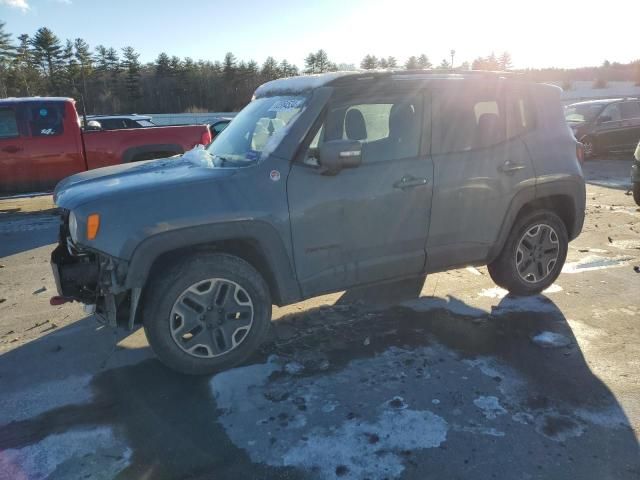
(320,184)
(603,126)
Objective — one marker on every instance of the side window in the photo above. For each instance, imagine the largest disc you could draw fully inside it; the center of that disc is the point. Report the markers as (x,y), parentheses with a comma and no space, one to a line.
(219,127)
(630,110)
(611,113)
(45,119)
(8,123)
(388,127)
(468,119)
(520,113)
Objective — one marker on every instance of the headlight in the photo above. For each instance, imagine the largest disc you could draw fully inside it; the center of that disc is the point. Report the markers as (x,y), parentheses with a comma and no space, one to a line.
(73,227)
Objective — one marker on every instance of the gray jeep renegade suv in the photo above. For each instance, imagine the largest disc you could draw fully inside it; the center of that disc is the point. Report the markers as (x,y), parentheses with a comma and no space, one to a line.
(320,184)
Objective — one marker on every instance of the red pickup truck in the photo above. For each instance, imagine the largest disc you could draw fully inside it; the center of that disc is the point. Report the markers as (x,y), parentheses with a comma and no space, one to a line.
(41,142)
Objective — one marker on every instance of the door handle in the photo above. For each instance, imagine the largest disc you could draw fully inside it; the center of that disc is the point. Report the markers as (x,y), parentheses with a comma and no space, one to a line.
(510,168)
(408,181)
(11,149)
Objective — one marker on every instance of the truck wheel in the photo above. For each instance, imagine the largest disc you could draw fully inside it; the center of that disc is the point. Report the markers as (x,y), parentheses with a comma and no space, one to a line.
(207,314)
(533,255)
(636,192)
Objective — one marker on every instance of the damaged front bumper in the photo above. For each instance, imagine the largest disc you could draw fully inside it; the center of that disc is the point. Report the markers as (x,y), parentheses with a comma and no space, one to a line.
(93,278)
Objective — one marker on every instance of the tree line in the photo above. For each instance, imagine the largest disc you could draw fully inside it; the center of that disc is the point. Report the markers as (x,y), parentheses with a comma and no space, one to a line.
(116,81)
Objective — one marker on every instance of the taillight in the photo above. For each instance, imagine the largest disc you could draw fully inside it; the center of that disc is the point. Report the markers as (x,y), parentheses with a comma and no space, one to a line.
(205,138)
(580,152)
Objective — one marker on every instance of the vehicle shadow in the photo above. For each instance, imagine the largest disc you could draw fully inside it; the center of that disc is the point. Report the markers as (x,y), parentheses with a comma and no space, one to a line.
(570,425)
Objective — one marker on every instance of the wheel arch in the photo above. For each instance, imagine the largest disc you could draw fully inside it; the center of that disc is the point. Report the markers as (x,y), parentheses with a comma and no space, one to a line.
(561,200)
(256,242)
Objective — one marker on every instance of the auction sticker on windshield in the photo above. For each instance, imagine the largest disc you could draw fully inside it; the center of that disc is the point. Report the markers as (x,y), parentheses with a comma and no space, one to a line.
(274,175)
(286,105)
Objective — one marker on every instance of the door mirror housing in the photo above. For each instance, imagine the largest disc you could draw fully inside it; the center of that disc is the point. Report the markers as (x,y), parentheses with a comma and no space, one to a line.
(94,125)
(336,155)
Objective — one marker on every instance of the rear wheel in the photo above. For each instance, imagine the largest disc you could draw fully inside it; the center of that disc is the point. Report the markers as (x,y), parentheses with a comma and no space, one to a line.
(533,255)
(207,314)
(636,192)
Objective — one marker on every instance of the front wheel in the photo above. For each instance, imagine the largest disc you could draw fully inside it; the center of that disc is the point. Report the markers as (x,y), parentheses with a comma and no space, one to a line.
(636,192)
(207,313)
(533,255)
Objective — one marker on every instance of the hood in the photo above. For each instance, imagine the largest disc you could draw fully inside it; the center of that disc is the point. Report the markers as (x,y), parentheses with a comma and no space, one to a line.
(131,179)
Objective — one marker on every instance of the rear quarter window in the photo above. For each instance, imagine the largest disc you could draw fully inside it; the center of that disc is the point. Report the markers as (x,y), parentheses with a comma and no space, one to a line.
(45,119)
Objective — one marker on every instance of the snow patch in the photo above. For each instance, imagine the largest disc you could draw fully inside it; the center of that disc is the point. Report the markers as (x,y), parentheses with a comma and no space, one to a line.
(74,454)
(200,157)
(495,292)
(427,304)
(595,262)
(297,84)
(490,406)
(355,446)
(474,270)
(551,340)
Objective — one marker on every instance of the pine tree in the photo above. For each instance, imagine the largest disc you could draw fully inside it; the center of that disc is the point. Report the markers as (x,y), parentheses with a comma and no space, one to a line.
(423,61)
(270,70)
(382,63)
(7,52)
(47,53)
(82,53)
(504,62)
(369,62)
(310,63)
(444,64)
(411,63)
(163,65)
(131,66)
(392,62)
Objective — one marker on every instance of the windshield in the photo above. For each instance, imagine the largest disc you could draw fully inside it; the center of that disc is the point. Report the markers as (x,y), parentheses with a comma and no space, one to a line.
(581,113)
(257,129)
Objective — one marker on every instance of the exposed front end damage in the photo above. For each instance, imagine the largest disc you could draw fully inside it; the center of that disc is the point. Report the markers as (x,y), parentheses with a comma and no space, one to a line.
(93,278)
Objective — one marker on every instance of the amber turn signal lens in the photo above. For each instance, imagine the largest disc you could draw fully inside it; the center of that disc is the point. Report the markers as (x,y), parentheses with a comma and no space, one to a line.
(93,225)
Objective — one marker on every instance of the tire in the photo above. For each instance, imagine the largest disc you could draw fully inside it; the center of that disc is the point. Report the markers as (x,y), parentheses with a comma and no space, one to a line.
(636,193)
(192,339)
(516,255)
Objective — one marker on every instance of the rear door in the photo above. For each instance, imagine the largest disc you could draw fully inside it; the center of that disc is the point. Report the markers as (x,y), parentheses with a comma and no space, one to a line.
(480,163)
(12,173)
(609,130)
(631,123)
(368,223)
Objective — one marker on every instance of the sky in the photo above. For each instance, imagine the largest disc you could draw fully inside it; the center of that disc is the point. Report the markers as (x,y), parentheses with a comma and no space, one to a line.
(558,33)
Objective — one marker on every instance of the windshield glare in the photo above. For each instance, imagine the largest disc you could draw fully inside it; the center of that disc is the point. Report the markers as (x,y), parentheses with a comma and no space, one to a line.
(581,113)
(257,129)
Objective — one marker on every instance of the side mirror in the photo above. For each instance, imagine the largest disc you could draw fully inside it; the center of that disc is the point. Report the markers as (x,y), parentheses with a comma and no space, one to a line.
(94,125)
(336,155)
(604,118)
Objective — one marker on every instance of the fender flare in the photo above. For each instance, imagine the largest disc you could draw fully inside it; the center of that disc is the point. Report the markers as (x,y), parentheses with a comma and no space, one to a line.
(132,152)
(271,248)
(568,187)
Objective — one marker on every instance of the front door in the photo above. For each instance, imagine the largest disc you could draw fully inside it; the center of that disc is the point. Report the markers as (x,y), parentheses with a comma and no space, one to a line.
(368,223)
(609,130)
(480,162)
(11,150)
